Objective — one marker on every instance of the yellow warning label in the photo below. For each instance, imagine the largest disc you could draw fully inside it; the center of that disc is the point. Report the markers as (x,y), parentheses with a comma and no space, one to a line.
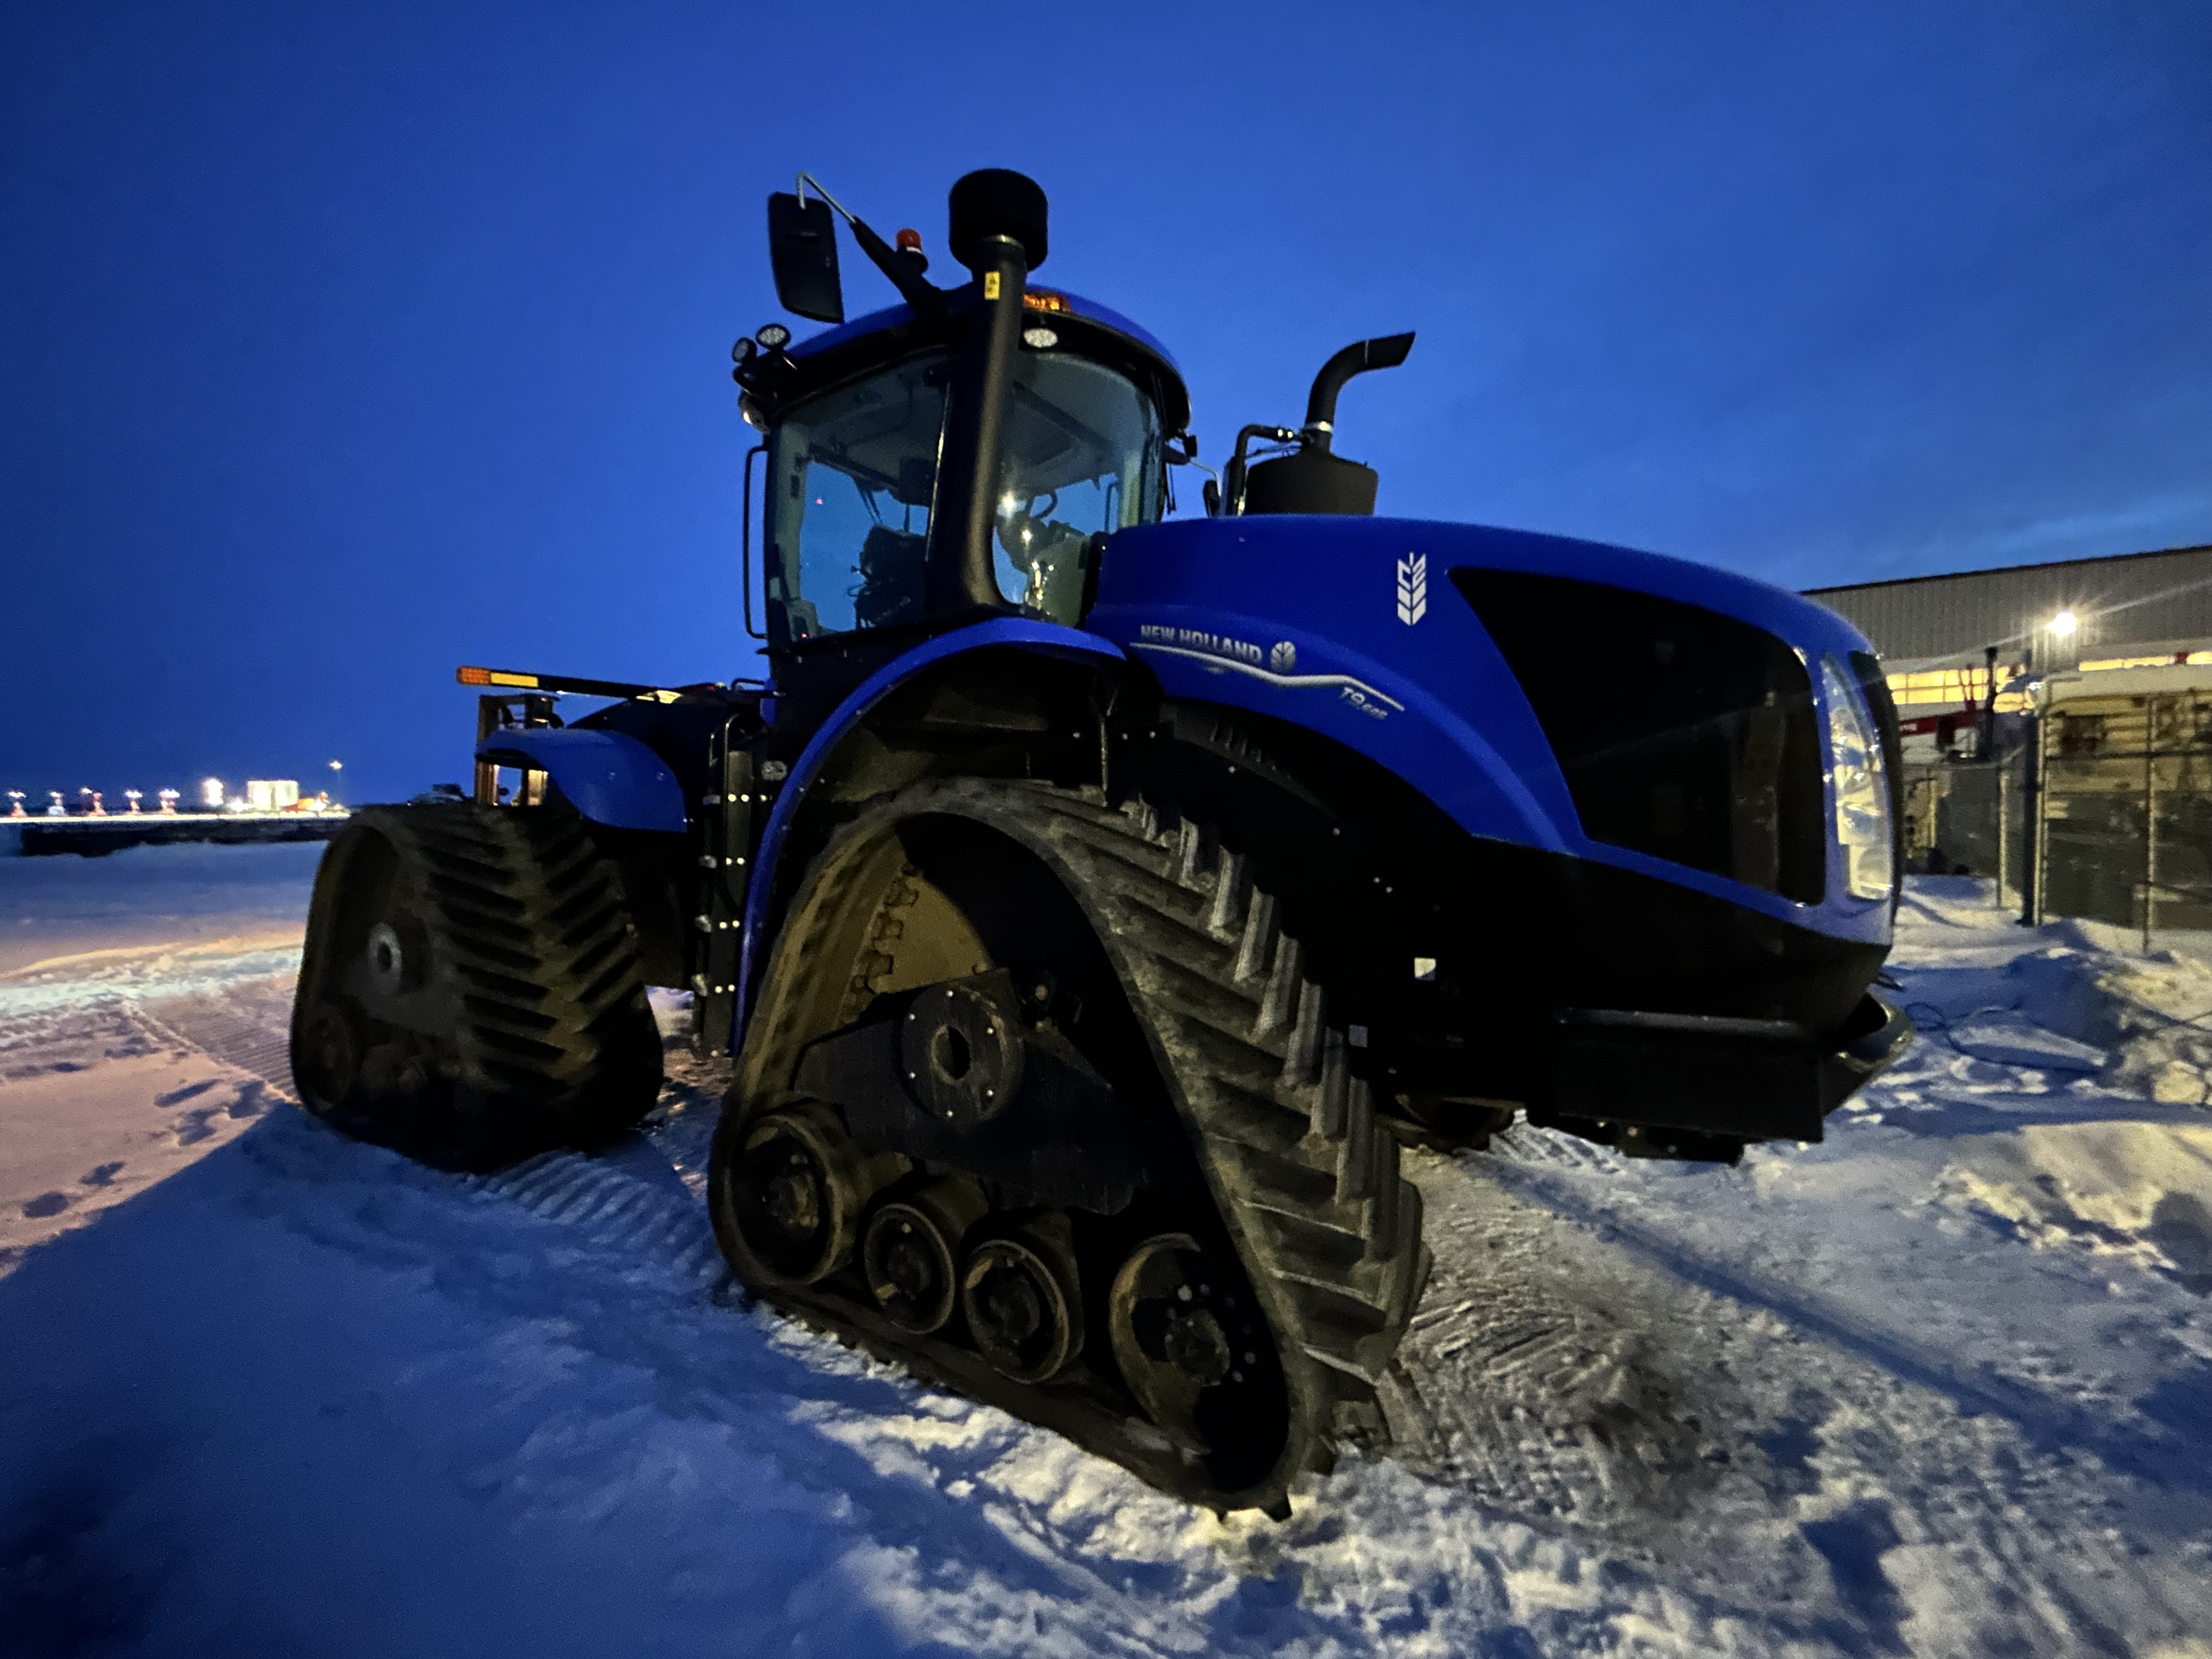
(990,284)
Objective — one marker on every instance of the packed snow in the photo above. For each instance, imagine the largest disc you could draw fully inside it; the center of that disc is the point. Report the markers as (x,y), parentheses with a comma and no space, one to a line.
(1941,1384)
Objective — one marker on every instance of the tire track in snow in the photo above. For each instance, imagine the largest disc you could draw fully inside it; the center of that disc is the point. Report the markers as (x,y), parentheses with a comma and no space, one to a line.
(1572,1370)
(228,1034)
(1576,1373)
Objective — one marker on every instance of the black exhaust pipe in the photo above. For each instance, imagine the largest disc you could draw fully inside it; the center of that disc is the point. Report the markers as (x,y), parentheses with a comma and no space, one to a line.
(1310,479)
(1356,358)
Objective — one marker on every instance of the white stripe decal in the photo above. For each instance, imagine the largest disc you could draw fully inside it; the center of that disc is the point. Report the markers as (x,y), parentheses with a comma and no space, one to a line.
(1288,682)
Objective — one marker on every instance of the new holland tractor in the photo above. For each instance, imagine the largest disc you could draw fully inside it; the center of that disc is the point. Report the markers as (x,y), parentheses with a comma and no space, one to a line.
(1092,902)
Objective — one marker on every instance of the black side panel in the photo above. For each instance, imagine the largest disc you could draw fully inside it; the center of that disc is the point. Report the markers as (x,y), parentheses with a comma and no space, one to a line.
(1683,734)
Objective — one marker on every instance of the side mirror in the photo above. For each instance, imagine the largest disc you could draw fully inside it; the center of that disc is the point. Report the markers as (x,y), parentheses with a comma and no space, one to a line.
(802,249)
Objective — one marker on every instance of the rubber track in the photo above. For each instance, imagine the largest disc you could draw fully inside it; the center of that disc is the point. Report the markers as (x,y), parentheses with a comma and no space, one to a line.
(533,928)
(1308,1169)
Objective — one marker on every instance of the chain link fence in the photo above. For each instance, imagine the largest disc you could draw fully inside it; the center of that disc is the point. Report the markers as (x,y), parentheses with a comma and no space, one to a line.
(1969,817)
(2125,816)
(2100,809)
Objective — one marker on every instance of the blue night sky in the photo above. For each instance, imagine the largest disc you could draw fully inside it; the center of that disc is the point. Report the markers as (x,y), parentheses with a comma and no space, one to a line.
(345,343)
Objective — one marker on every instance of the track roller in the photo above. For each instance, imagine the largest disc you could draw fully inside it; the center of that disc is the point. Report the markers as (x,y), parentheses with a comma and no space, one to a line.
(1021,1293)
(912,1249)
(793,1201)
(1192,1350)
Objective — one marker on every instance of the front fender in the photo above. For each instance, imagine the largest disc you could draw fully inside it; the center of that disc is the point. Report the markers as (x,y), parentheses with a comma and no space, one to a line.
(609,777)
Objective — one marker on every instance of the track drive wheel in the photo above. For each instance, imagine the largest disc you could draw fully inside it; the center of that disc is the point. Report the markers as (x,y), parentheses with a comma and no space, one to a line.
(468,993)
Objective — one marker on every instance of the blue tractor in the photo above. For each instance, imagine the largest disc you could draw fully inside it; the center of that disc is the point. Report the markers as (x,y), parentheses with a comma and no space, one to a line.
(1092,903)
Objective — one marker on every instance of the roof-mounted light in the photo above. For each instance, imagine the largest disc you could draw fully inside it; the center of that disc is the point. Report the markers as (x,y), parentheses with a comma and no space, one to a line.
(1043,299)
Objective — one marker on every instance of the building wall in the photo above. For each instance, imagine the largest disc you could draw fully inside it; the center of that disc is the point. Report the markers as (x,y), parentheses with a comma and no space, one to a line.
(2137,604)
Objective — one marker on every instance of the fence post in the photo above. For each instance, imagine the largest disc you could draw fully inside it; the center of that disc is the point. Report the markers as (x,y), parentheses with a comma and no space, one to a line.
(2150,819)
(2031,795)
(2003,864)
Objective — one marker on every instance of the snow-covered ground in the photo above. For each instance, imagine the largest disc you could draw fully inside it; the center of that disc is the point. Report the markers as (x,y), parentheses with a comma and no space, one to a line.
(1942,1385)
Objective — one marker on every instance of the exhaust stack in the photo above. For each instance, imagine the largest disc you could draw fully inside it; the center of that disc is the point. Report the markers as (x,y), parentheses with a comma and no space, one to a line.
(1311,479)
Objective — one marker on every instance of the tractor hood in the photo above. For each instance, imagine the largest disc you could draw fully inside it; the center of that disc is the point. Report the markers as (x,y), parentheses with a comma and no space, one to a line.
(1641,711)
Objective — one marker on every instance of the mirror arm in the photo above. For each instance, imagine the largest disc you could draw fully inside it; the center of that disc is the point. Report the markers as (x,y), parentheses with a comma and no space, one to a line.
(916,289)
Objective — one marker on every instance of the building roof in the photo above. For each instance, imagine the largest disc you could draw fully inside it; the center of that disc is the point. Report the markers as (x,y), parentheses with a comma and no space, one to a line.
(1822,593)
(2132,603)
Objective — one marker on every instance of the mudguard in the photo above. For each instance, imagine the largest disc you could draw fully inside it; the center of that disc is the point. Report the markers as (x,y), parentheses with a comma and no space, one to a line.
(609,777)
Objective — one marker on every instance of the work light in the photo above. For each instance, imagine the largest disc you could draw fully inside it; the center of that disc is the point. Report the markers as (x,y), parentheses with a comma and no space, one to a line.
(1861,792)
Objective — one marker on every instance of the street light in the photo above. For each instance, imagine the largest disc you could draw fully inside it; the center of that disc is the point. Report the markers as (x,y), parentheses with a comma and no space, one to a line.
(2062,624)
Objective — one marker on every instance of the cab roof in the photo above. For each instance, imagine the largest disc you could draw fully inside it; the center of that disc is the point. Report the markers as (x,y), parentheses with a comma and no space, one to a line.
(1043,304)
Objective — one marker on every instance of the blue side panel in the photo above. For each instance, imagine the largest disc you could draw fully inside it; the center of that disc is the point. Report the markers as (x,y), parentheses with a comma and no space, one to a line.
(1039,637)
(609,777)
(1351,627)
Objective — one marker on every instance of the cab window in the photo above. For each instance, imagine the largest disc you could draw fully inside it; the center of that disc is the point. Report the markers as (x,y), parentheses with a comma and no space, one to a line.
(852,474)
(1081,455)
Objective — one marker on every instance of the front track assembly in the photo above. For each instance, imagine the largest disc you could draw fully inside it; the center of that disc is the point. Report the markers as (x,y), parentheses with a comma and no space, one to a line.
(1038,1099)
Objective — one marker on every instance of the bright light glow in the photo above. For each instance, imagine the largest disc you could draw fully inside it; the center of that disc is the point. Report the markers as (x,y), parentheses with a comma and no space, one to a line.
(211,793)
(337,766)
(1861,792)
(2062,624)
(1008,504)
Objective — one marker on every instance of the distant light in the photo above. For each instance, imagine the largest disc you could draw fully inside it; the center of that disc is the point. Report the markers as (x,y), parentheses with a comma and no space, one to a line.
(337,766)
(2062,624)
(211,793)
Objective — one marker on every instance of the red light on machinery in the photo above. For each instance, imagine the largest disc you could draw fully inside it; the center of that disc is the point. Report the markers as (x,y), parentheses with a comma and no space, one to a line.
(909,242)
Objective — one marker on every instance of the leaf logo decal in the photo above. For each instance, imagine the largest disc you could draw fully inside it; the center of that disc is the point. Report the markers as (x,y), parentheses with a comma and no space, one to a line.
(1412,588)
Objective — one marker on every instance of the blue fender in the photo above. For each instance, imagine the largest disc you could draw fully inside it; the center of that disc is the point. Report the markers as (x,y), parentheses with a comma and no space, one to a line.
(609,777)
(1048,638)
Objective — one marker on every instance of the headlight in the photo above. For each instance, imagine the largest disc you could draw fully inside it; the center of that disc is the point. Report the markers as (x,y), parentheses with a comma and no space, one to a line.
(1861,792)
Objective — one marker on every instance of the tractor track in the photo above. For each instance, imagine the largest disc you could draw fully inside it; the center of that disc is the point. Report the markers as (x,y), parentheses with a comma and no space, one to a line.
(1310,1171)
(1302,1172)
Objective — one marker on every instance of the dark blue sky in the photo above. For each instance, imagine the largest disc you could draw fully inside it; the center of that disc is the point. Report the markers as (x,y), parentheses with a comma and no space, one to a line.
(344,344)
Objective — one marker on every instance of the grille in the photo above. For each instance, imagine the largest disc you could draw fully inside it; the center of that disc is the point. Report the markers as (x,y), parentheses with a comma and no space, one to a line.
(1683,734)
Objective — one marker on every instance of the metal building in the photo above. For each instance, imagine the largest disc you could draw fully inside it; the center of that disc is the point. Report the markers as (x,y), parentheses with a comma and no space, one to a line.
(1934,632)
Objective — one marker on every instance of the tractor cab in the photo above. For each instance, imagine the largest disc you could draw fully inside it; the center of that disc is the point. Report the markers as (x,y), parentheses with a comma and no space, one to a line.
(853,482)
(961,456)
